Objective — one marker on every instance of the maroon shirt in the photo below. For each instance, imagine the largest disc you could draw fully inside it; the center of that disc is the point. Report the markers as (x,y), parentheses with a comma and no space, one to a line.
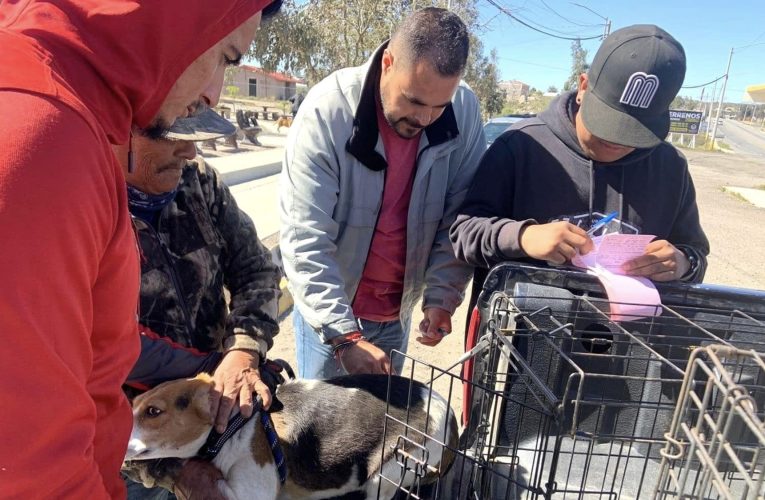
(378,297)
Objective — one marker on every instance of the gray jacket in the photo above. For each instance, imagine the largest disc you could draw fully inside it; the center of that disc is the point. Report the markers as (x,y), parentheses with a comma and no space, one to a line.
(331,193)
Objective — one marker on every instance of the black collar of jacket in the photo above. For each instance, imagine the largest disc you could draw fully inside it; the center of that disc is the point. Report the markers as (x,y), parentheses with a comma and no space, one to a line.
(363,138)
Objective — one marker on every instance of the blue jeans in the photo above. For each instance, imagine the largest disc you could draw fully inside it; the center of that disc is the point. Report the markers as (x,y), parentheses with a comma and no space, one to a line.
(315,360)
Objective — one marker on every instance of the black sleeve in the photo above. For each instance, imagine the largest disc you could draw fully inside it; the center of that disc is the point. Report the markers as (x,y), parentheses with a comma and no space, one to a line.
(162,360)
(485,232)
(687,234)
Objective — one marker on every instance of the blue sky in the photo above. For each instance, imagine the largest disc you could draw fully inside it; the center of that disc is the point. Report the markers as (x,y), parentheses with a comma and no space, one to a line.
(706,28)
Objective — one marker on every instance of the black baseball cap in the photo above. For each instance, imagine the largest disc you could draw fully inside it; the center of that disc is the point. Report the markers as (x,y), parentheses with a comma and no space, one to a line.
(202,127)
(635,75)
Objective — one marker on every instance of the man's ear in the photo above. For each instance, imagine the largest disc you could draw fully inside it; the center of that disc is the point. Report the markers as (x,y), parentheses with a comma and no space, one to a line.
(387,61)
(582,88)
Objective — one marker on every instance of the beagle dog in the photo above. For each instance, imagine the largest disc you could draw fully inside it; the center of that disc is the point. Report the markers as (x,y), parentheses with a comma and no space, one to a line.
(333,436)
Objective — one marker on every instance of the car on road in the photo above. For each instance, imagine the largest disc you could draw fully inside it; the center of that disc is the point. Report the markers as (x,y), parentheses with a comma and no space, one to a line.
(703,129)
(496,126)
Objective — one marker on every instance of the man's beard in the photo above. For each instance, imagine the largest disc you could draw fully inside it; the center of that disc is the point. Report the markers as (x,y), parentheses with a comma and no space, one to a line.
(396,122)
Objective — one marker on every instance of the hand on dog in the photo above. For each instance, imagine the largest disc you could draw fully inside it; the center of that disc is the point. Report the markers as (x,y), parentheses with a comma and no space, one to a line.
(436,324)
(662,261)
(237,376)
(198,480)
(365,357)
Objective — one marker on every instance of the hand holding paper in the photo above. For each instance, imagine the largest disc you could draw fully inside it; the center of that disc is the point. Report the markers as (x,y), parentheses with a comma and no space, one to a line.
(630,297)
(661,261)
(613,251)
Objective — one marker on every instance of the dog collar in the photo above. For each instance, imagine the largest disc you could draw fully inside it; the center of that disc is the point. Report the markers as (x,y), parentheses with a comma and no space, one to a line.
(215,441)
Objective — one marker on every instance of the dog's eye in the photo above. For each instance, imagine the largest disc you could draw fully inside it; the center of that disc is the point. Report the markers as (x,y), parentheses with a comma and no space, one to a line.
(153,411)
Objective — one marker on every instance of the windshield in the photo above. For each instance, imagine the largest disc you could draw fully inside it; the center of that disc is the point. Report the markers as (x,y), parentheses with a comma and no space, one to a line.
(494,130)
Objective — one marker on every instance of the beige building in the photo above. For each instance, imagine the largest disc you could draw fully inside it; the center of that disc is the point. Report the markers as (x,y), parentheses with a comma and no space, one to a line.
(515,90)
(256,82)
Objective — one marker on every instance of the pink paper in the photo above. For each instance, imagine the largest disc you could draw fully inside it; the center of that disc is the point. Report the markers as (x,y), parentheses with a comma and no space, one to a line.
(613,250)
(630,297)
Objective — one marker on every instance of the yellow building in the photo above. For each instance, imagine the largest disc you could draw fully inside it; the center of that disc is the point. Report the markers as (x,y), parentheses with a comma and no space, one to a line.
(757,93)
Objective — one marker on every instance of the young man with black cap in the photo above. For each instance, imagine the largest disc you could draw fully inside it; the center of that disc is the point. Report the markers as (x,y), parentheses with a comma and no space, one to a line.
(194,242)
(594,151)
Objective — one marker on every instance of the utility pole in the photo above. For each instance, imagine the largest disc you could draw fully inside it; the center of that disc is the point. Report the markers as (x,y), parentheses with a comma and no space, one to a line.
(711,109)
(606,26)
(722,100)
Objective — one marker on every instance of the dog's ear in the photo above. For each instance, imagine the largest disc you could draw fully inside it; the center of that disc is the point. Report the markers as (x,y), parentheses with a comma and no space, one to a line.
(202,385)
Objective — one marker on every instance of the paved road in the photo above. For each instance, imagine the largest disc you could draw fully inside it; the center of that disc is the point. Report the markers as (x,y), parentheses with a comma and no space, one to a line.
(745,139)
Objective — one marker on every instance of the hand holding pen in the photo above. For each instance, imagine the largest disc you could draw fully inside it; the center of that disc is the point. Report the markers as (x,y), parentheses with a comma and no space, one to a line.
(600,223)
(555,242)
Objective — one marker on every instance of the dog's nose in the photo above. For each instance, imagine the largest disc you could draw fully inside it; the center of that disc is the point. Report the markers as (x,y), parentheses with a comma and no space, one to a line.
(135,448)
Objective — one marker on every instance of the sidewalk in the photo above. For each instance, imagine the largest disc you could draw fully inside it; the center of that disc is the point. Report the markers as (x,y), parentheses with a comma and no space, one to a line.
(243,167)
(251,173)
(754,196)
(250,162)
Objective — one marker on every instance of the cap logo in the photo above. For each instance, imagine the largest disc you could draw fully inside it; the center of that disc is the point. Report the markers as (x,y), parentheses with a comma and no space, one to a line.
(640,90)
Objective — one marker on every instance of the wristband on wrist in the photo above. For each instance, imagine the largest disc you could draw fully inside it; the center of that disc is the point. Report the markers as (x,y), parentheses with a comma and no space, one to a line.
(349,340)
(693,262)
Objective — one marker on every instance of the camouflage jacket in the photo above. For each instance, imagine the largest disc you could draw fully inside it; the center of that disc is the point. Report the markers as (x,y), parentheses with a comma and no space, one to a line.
(203,243)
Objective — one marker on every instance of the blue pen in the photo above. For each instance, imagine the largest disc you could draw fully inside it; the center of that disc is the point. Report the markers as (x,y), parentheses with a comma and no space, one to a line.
(602,222)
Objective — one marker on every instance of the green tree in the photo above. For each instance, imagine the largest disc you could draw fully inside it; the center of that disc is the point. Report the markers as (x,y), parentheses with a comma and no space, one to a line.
(483,77)
(317,37)
(536,103)
(687,103)
(579,65)
(553,89)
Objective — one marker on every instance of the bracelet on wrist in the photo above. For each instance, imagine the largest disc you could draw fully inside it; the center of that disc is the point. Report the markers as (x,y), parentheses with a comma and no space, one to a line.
(348,341)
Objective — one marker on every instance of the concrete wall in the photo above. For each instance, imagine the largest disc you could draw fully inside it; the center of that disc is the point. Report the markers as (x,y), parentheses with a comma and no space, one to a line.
(265,86)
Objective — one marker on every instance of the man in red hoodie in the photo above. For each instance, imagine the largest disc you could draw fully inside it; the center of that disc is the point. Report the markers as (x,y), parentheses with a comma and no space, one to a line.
(75,77)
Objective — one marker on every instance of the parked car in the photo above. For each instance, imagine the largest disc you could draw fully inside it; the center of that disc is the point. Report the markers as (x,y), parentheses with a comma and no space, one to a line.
(704,129)
(495,126)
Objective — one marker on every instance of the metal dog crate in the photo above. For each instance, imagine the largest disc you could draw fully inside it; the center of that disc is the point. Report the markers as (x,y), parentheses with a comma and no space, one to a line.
(716,444)
(560,402)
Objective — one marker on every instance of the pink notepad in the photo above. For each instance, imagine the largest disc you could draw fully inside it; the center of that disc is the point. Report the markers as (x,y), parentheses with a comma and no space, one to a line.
(613,250)
(630,297)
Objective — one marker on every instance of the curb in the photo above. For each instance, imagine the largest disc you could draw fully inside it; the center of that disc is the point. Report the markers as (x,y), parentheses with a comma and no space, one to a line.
(234,177)
(285,301)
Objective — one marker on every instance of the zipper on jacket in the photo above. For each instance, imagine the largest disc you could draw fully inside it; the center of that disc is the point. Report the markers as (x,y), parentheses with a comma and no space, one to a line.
(176,281)
(414,177)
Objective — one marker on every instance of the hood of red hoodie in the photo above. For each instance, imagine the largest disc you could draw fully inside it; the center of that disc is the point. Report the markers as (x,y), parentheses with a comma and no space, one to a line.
(117,58)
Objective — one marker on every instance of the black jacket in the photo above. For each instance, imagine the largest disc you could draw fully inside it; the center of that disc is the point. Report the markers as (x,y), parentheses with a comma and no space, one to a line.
(537,172)
(203,247)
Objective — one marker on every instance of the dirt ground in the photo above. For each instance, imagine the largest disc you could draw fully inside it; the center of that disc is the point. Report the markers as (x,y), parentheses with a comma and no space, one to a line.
(734,227)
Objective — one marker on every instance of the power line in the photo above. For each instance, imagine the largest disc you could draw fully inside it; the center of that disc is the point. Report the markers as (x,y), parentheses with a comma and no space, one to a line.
(566,19)
(512,16)
(532,63)
(703,84)
(548,28)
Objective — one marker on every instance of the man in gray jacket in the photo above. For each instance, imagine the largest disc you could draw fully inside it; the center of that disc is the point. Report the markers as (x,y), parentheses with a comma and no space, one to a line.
(377,162)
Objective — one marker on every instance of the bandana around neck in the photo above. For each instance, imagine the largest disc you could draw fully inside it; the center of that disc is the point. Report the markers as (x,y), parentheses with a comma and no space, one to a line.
(137,199)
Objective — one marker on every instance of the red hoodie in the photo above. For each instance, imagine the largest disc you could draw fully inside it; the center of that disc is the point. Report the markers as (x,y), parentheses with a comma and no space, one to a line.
(74,75)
